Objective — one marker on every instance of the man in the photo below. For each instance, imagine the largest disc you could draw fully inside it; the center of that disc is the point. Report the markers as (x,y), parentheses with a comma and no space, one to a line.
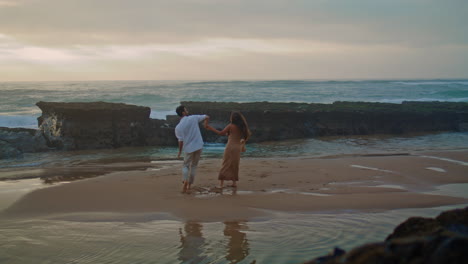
(191,142)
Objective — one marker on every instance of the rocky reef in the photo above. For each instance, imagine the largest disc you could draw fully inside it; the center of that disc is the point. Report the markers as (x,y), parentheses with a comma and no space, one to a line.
(16,141)
(439,240)
(278,121)
(97,125)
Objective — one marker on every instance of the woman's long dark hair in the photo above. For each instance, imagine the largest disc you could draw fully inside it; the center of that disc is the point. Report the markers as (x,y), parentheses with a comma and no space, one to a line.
(239,120)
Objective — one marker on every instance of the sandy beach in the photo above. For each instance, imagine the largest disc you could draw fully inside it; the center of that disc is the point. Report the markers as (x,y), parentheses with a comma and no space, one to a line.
(369,182)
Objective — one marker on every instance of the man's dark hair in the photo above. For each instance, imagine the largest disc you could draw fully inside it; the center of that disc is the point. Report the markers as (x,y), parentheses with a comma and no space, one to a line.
(179,110)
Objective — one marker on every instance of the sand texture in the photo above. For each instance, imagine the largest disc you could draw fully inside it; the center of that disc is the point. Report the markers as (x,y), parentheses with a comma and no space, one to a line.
(373,182)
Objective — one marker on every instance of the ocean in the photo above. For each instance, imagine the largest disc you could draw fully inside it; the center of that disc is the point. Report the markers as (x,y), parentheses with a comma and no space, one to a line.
(155,238)
(18,109)
(18,99)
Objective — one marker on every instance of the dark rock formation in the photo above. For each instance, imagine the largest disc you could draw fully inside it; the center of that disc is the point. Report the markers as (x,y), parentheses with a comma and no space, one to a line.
(16,141)
(72,126)
(97,125)
(417,240)
(278,121)
(419,226)
(9,151)
(160,133)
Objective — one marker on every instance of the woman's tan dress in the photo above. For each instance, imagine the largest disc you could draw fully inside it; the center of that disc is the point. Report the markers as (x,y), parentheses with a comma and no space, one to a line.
(231,159)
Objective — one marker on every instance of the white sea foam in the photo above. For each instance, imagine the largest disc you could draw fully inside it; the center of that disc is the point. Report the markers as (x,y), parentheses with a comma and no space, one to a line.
(391,186)
(289,191)
(426,99)
(454,190)
(463,163)
(371,168)
(441,82)
(314,194)
(436,169)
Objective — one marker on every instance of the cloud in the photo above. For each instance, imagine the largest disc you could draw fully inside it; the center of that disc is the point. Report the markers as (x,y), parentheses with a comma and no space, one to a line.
(12,49)
(14,3)
(147,39)
(88,22)
(218,48)
(8,3)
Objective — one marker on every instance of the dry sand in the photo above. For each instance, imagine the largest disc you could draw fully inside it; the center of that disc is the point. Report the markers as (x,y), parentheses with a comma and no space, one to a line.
(376,182)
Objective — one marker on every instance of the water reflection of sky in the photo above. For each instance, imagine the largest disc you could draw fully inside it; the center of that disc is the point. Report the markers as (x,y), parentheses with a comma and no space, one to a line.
(282,238)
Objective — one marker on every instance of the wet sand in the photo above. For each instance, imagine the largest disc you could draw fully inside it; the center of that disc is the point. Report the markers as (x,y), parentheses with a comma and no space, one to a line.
(372,182)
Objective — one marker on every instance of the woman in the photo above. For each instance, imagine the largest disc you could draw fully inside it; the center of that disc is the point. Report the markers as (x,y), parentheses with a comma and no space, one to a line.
(238,132)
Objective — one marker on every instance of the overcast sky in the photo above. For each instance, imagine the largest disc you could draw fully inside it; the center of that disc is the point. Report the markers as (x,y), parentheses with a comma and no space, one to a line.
(232,39)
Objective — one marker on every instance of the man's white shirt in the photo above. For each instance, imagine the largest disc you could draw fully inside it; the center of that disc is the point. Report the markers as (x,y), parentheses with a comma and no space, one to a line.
(188,131)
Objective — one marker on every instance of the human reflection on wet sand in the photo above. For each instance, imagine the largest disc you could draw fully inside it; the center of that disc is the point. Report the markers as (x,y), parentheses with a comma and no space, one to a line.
(192,243)
(238,245)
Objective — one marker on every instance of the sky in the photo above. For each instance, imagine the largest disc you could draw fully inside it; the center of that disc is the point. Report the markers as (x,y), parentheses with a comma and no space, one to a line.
(59,40)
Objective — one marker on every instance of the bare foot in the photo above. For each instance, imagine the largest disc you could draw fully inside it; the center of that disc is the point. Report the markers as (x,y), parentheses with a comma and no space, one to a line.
(185,187)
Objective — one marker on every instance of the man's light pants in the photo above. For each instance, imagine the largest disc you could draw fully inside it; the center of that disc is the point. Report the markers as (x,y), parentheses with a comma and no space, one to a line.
(190,166)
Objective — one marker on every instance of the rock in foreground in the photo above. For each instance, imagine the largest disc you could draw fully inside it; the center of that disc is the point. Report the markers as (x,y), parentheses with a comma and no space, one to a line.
(439,240)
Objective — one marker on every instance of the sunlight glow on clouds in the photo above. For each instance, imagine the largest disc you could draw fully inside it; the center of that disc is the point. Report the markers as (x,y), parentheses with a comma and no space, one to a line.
(212,39)
(13,50)
(12,3)
(209,47)
(4,3)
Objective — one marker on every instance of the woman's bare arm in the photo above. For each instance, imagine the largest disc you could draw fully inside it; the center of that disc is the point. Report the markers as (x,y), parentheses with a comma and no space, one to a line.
(223,132)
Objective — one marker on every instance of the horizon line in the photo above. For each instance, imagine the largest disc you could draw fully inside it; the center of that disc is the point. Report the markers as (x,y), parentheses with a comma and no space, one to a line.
(250,79)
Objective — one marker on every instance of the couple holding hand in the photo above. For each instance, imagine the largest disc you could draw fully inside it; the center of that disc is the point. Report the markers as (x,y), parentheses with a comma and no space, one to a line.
(191,142)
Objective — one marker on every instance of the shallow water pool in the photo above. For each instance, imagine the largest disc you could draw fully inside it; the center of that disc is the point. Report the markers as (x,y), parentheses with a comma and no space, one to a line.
(158,238)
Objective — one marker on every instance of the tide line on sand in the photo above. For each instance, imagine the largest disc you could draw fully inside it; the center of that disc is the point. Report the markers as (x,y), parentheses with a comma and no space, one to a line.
(459,162)
(371,168)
